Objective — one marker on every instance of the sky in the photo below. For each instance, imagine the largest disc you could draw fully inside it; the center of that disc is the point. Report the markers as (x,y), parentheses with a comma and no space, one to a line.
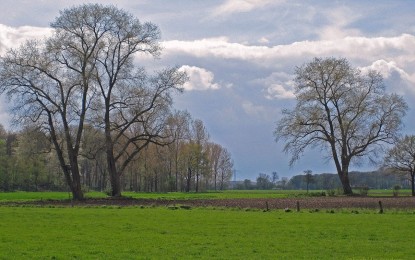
(240,56)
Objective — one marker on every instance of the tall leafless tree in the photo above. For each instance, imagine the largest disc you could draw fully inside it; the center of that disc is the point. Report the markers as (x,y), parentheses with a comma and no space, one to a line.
(341,110)
(133,105)
(50,83)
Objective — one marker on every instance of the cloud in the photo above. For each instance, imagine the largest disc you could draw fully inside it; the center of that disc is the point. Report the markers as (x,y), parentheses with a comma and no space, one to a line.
(399,48)
(199,78)
(278,91)
(401,81)
(239,6)
(263,40)
(14,36)
(339,20)
(278,85)
(253,110)
(386,69)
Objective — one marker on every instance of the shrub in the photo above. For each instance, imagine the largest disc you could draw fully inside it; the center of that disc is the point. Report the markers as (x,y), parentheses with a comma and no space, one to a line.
(331,192)
(396,189)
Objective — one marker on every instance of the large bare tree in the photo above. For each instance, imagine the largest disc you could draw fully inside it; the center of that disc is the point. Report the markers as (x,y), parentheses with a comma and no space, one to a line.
(87,72)
(341,110)
(49,83)
(133,106)
(401,158)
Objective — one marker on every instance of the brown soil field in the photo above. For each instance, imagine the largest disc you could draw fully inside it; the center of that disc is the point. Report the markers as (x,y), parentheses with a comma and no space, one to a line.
(291,203)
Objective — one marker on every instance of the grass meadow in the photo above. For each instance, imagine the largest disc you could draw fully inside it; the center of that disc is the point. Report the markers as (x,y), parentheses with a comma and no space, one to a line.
(112,232)
(200,233)
(228,194)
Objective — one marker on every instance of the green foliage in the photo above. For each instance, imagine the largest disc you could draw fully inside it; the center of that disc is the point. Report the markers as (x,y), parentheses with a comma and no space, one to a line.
(160,233)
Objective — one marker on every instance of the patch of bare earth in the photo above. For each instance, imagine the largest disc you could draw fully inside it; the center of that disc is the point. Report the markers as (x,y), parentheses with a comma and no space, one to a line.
(304,203)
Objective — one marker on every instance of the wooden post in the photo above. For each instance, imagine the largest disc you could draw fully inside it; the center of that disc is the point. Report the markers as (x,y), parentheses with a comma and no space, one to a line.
(298,206)
(380,207)
(266,204)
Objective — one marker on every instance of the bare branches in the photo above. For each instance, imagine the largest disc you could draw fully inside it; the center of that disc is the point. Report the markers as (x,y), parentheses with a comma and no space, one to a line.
(341,110)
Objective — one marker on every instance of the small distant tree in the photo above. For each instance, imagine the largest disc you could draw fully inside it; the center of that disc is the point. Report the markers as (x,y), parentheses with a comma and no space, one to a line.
(283,182)
(308,177)
(247,184)
(263,182)
(275,177)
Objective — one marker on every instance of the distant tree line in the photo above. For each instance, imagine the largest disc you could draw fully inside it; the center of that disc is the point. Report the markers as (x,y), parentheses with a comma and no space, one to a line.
(372,180)
(381,179)
(189,162)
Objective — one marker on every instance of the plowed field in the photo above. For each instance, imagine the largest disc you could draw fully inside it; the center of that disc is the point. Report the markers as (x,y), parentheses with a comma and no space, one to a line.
(282,203)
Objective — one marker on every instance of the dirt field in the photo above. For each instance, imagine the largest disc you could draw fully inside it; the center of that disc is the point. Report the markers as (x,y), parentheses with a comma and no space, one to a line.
(291,203)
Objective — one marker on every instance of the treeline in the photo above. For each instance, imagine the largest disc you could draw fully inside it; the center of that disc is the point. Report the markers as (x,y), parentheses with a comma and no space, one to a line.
(189,162)
(381,179)
(372,180)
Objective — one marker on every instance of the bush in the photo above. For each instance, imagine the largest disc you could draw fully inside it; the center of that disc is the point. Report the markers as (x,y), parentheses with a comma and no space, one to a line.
(396,189)
(331,192)
(364,190)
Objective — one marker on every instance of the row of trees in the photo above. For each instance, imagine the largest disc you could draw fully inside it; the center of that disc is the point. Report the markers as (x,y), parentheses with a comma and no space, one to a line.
(86,92)
(190,162)
(380,179)
(374,180)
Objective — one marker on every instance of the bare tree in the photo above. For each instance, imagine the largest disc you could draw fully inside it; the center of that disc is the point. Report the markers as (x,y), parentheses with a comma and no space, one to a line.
(343,111)
(308,177)
(225,167)
(179,130)
(50,84)
(221,164)
(198,142)
(214,154)
(401,158)
(133,105)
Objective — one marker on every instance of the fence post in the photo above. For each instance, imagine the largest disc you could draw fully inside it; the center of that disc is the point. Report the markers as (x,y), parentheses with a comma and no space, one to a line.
(380,207)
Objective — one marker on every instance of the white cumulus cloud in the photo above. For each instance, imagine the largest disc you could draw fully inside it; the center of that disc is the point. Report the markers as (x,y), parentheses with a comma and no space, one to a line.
(399,48)
(14,36)
(278,85)
(199,78)
(386,69)
(400,80)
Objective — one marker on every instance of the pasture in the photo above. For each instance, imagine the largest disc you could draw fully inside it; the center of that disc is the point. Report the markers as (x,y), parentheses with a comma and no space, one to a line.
(146,232)
(227,194)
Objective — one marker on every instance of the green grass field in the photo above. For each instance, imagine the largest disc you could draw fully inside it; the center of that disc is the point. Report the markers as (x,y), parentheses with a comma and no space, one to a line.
(22,196)
(228,194)
(160,233)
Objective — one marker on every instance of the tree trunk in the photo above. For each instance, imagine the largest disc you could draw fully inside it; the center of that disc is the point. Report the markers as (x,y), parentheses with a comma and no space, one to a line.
(114,176)
(115,185)
(412,183)
(189,177)
(216,174)
(73,180)
(77,193)
(344,178)
(197,181)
